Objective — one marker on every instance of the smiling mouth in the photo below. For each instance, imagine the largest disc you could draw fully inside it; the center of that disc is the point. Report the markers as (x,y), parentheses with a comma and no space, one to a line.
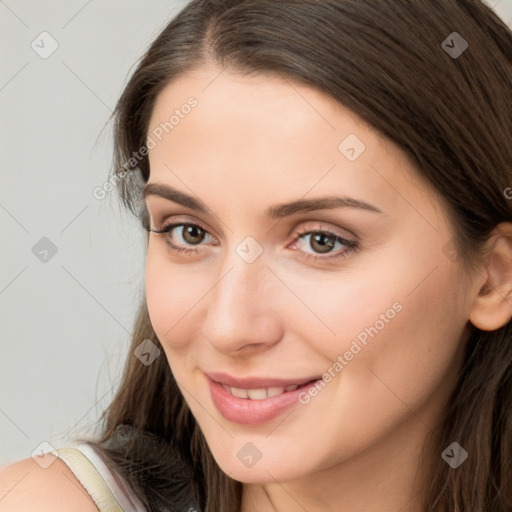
(254,400)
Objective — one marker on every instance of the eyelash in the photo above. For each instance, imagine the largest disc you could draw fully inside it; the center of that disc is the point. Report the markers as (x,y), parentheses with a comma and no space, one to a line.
(351,246)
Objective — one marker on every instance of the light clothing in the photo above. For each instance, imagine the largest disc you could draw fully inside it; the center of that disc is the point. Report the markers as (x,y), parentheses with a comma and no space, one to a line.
(107,489)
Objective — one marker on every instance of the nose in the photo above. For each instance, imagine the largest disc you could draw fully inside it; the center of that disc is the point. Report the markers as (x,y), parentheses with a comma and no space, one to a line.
(243,308)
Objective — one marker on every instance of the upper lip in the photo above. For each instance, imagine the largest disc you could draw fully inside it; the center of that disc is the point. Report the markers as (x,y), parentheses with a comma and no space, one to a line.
(256,382)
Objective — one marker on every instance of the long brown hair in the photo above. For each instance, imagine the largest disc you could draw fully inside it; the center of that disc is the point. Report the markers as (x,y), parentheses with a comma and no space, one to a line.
(452,114)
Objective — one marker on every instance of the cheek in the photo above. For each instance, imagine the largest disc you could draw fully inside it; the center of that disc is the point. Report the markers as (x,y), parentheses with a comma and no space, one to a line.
(171,293)
(398,335)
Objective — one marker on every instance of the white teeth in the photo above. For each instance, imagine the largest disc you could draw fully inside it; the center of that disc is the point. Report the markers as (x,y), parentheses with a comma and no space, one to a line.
(240,393)
(259,394)
(275,391)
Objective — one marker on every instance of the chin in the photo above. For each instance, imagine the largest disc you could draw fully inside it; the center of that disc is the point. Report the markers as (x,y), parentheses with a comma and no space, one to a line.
(266,470)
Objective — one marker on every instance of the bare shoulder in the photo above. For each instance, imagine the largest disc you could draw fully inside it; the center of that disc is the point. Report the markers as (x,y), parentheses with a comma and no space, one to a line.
(25,486)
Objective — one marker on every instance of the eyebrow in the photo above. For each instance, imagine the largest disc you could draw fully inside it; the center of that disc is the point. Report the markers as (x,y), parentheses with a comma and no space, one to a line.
(274,212)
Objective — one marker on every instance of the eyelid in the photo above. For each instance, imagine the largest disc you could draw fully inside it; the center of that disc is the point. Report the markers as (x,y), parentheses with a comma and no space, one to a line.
(305,227)
(350,244)
(177,219)
(328,227)
(311,225)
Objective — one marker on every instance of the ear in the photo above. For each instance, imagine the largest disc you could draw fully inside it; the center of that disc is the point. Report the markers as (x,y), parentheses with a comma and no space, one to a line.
(492,307)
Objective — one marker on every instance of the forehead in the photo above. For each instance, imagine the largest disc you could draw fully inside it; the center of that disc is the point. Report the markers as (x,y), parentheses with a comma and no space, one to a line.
(266,135)
(267,106)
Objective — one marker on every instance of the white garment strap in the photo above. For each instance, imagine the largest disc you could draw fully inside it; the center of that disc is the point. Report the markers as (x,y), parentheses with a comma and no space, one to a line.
(90,478)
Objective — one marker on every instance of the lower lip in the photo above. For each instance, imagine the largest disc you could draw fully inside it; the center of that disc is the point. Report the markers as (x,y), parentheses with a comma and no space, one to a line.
(251,412)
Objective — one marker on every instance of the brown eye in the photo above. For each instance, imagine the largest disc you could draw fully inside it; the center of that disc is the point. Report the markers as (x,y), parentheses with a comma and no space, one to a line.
(322,243)
(182,236)
(318,245)
(192,234)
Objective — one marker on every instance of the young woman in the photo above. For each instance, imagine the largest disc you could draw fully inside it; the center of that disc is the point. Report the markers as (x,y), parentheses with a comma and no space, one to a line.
(327,191)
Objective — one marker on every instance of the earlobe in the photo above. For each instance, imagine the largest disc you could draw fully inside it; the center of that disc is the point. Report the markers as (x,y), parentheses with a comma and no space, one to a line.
(492,306)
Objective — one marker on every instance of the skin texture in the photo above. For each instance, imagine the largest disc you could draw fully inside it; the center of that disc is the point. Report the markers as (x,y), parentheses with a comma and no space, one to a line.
(256,141)
(50,487)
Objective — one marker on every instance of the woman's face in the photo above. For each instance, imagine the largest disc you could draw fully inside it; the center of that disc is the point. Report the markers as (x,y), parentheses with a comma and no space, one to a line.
(367,301)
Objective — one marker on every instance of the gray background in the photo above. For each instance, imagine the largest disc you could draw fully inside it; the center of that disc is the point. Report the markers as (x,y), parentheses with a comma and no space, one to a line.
(65,323)
(66,317)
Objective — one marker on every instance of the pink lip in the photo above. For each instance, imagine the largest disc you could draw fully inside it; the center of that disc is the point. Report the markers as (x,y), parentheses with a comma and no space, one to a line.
(251,412)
